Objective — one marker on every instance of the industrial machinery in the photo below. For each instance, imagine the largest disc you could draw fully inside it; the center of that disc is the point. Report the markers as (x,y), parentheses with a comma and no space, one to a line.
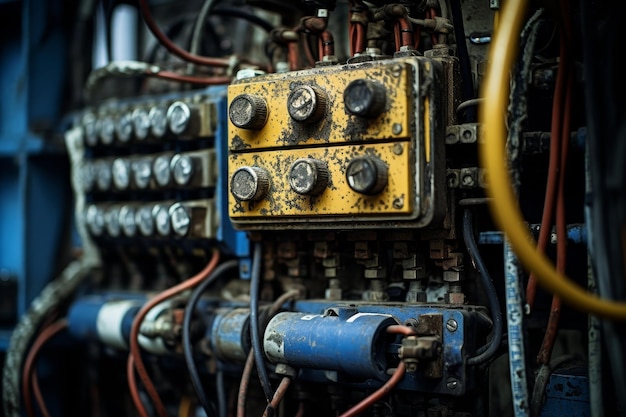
(314,208)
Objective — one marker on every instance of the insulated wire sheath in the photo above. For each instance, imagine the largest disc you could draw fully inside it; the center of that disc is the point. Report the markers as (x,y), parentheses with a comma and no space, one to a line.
(135,350)
(503,203)
(378,394)
(255,284)
(489,350)
(247,370)
(218,272)
(29,369)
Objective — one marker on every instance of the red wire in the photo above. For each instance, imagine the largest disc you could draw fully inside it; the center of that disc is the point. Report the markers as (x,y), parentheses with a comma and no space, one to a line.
(173,76)
(378,394)
(390,384)
(135,352)
(29,367)
(396,35)
(360,39)
(432,13)
(278,395)
(399,329)
(406,32)
(545,352)
(553,176)
(173,48)
(292,56)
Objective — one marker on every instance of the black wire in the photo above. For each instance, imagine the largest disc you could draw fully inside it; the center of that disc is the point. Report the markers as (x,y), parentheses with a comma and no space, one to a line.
(186,336)
(467,83)
(485,352)
(255,283)
(222,408)
(243,14)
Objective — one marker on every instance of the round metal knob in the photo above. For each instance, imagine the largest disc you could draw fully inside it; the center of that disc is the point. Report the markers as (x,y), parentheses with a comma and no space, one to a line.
(365,98)
(306,104)
(181,118)
(367,175)
(308,176)
(249,183)
(248,112)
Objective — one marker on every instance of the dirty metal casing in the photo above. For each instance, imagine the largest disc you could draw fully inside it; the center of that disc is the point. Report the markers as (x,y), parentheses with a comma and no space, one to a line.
(447,374)
(230,334)
(349,342)
(406,138)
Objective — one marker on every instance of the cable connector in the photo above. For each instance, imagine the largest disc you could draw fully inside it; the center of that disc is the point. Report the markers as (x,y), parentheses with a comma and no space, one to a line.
(416,348)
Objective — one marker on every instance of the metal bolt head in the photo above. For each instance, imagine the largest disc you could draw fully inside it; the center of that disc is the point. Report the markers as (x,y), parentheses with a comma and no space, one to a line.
(144,220)
(161,170)
(161,218)
(365,98)
(121,173)
(127,221)
(452,325)
(178,117)
(452,383)
(124,126)
(306,104)
(94,218)
(158,121)
(112,221)
(180,219)
(249,183)
(367,175)
(142,172)
(141,123)
(103,174)
(308,176)
(90,126)
(182,168)
(396,128)
(248,111)
(106,129)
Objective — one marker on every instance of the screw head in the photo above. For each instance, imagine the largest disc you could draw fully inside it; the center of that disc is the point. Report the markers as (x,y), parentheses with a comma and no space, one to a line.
(452,383)
(452,325)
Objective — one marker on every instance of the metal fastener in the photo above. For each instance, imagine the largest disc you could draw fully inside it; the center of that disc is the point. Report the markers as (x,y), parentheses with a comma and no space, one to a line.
(452,325)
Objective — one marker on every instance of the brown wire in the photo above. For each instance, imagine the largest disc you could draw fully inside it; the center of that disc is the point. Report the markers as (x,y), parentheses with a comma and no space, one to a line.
(292,56)
(29,372)
(327,44)
(399,329)
(552,182)
(135,351)
(173,76)
(545,352)
(390,384)
(249,365)
(406,32)
(379,393)
(173,48)
(300,412)
(396,35)
(280,392)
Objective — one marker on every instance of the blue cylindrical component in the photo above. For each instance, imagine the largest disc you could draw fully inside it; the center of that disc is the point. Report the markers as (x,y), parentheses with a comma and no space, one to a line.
(105,318)
(230,334)
(340,340)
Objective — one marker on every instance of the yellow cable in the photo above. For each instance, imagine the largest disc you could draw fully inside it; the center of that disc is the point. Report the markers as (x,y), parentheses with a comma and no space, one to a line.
(503,203)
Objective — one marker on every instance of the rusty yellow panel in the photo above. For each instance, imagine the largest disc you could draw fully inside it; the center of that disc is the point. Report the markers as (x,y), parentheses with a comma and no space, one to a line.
(338,201)
(335,125)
